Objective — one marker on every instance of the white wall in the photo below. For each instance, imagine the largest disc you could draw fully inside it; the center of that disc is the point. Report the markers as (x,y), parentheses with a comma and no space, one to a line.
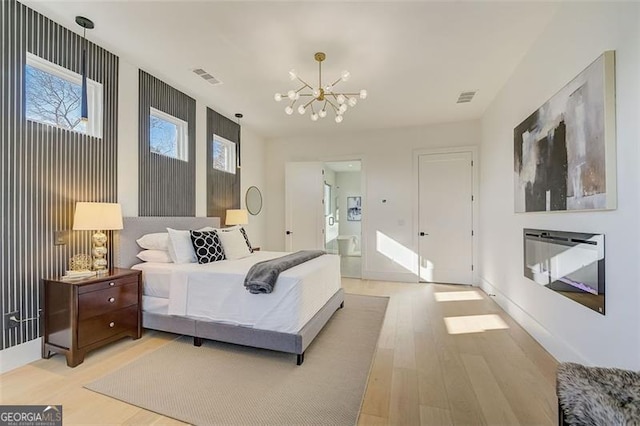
(348,185)
(387,168)
(577,35)
(253,146)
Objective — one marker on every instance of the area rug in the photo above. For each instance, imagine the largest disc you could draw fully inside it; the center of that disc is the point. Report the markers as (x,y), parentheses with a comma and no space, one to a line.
(220,383)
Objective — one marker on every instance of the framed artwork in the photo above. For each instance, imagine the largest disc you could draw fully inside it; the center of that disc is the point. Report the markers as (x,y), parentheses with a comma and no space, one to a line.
(354,209)
(564,153)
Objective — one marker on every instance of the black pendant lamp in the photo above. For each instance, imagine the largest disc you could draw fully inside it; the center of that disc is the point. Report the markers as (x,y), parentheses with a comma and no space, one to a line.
(84,23)
(238,116)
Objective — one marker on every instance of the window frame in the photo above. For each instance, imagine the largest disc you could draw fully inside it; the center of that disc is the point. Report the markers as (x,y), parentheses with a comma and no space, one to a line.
(231,148)
(182,134)
(94,94)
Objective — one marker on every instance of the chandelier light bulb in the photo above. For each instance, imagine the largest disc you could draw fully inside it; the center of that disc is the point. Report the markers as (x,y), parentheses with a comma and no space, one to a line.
(301,110)
(345,75)
(352,102)
(363,94)
(341,99)
(288,110)
(316,93)
(293,75)
(314,117)
(343,108)
(322,113)
(339,119)
(327,89)
(291,94)
(277,97)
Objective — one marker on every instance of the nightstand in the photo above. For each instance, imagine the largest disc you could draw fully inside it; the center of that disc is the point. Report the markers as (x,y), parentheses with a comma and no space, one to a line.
(82,315)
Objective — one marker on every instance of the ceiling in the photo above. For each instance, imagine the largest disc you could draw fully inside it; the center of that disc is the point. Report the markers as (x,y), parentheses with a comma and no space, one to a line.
(414,58)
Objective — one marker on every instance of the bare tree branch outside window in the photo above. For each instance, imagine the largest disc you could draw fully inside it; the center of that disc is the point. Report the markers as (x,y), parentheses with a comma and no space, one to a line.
(53,100)
(163,137)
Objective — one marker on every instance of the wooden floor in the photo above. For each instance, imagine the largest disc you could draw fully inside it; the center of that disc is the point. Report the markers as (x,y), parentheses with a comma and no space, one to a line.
(447,355)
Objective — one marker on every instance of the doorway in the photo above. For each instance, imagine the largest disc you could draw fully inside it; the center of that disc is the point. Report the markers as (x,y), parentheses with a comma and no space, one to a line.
(343,214)
(445,217)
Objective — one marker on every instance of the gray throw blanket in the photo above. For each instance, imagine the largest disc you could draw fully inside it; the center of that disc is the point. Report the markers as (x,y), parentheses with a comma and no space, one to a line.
(262,276)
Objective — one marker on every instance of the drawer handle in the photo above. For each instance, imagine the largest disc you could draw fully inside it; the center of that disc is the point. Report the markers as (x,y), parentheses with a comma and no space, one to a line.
(112,324)
(112,299)
(112,284)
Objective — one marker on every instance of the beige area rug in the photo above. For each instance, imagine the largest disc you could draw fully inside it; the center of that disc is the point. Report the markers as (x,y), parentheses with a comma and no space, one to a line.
(220,383)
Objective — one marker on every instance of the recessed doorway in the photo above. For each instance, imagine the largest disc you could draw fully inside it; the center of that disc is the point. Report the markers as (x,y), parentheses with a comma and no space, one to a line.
(343,201)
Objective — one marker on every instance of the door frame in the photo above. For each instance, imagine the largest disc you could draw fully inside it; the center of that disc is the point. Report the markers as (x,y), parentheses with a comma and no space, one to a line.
(365,202)
(474,208)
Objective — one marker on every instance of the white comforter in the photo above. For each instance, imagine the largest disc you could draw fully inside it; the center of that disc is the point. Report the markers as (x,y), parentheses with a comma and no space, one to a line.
(215,291)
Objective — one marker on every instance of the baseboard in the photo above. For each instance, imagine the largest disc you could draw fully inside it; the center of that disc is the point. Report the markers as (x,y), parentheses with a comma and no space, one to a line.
(556,347)
(19,355)
(404,277)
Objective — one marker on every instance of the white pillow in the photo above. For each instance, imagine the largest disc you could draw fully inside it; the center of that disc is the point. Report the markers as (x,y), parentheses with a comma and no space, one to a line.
(233,244)
(180,245)
(156,241)
(158,256)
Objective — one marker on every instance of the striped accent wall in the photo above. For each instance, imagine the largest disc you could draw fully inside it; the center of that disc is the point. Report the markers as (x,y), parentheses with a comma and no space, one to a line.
(223,189)
(167,186)
(44,170)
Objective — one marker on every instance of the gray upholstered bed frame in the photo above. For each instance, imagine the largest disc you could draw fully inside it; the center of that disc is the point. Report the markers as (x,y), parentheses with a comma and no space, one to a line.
(125,256)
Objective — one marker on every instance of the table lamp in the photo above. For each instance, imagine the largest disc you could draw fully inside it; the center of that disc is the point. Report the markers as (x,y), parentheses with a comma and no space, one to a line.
(236,217)
(98,217)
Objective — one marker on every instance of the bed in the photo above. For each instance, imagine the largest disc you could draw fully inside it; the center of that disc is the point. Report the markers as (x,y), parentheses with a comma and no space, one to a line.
(210,302)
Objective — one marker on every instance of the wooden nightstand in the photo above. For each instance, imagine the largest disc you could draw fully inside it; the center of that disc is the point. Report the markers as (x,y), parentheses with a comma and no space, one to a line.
(83,315)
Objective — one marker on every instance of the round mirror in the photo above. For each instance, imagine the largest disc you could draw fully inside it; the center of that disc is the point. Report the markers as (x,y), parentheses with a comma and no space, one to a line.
(253,200)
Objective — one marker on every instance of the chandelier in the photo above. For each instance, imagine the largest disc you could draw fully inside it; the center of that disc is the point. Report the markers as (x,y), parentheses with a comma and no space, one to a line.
(325,95)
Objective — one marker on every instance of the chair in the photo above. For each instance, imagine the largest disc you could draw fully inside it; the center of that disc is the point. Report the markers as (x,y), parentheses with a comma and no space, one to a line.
(597,396)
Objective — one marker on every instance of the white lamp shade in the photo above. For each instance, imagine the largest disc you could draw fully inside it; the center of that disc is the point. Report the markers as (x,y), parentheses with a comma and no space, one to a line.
(97,216)
(237,217)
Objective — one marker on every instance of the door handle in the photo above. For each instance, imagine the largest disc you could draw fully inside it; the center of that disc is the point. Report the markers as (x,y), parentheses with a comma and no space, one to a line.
(422,234)
(288,232)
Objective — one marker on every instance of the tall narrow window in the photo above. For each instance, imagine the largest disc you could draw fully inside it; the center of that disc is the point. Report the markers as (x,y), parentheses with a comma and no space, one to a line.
(53,97)
(168,135)
(224,155)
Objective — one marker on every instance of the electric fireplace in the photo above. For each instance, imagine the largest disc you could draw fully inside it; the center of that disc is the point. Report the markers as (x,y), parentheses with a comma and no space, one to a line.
(570,263)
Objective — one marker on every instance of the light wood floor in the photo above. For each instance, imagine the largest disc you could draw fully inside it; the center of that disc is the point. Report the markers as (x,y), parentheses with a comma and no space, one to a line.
(422,374)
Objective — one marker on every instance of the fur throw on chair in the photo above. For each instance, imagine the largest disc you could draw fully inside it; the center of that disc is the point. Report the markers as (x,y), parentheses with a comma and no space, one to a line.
(597,396)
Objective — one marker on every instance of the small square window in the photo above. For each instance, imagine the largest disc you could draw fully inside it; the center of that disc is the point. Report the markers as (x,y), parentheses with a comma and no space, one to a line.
(53,96)
(168,135)
(224,155)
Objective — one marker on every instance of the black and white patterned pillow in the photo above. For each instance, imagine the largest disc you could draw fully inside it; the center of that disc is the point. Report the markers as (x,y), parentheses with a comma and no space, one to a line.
(244,234)
(207,246)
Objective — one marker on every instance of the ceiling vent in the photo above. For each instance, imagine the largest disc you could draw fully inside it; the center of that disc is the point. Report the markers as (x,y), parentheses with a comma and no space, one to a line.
(465,97)
(207,77)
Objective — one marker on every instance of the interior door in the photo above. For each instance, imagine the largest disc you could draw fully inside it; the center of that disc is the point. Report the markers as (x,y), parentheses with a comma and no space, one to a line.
(304,209)
(446,218)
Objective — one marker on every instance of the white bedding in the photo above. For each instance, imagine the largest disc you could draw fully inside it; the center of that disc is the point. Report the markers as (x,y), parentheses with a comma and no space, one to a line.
(215,291)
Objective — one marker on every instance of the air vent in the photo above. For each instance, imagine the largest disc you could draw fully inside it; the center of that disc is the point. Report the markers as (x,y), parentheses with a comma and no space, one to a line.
(465,97)
(207,77)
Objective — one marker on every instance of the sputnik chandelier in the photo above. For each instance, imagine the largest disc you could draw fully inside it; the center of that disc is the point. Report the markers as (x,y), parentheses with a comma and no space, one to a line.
(325,96)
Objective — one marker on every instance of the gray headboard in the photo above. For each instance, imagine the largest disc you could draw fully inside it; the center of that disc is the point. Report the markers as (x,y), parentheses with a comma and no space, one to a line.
(126,247)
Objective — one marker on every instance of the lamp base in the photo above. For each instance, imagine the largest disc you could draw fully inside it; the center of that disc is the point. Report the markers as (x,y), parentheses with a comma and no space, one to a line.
(99,252)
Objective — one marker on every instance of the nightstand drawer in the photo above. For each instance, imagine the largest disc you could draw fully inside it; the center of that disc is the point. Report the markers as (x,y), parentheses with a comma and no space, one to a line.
(111,299)
(107,284)
(107,325)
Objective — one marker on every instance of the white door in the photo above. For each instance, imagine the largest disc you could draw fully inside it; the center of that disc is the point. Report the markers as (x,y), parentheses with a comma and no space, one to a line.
(304,209)
(446,218)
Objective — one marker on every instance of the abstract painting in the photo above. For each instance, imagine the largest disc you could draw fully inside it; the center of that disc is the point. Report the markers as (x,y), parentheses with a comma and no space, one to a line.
(564,153)
(354,209)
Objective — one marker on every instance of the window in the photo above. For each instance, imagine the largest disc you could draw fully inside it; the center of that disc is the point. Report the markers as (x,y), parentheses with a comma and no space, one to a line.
(53,96)
(168,135)
(224,155)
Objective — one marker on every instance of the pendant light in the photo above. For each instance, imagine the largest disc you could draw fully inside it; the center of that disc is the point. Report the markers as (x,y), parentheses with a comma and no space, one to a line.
(238,116)
(84,23)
